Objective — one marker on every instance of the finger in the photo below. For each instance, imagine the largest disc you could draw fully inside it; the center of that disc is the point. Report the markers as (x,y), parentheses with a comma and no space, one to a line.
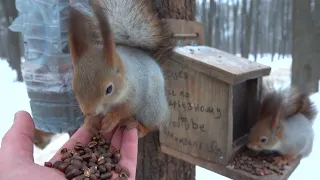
(81,135)
(129,150)
(19,138)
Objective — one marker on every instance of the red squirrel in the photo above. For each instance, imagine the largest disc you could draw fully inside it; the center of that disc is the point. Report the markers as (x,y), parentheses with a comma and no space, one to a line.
(123,84)
(134,23)
(284,125)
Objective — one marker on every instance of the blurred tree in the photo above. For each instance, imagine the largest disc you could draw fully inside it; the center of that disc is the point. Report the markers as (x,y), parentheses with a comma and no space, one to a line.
(13,41)
(218,28)
(305,57)
(256,29)
(246,28)
(211,17)
(235,27)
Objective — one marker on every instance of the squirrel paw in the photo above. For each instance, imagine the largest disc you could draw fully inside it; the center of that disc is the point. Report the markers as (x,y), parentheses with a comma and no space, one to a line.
(286,160)
(110,121)
(280,162)
(130,122)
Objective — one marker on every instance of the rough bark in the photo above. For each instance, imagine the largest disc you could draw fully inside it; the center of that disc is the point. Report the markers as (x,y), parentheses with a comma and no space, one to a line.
(152,163)
(177,9)
(13,43)
(305,57)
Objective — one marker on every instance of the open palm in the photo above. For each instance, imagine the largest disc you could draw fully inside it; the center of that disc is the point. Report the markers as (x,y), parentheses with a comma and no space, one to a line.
(16,152)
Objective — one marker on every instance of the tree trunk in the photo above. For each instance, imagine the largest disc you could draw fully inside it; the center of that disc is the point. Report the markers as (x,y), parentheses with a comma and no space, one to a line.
(235,23)
(204,21)
(228,49)
(246,41)
(211,16)
(256,30)
(13,43)
(152,163)
(289,27)
(283,28)
(274,23)
(243,26)
(217,34)
(303,47)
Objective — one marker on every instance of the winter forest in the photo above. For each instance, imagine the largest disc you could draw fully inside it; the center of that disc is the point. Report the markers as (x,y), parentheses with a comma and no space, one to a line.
(253,26)
(242,27)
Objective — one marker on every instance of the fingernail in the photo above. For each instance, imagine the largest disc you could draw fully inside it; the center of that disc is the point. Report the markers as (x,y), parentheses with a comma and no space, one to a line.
(16,115)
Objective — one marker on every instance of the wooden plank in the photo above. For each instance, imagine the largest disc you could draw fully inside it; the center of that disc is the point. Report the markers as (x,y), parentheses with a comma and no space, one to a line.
(218,64)
(199,123)
(228,171)
(185,31)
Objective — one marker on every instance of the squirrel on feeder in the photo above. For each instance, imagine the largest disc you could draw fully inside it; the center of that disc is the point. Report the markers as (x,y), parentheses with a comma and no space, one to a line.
(120,47)
(285,124)
(122,83)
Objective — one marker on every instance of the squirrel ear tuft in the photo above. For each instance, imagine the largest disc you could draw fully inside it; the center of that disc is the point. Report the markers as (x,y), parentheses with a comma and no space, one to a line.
(105,30)
(77,37)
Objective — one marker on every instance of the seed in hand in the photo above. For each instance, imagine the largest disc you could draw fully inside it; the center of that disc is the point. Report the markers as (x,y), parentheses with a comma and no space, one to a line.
(95,161)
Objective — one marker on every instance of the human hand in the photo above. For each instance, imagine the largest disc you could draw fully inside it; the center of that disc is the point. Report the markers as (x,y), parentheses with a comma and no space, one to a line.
(16,152)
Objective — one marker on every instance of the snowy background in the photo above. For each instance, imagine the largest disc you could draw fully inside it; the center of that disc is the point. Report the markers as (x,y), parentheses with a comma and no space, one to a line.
(14,97)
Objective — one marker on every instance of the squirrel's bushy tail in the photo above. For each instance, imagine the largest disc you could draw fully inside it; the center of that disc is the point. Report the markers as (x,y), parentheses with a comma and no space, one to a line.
(134,23)
(293,100)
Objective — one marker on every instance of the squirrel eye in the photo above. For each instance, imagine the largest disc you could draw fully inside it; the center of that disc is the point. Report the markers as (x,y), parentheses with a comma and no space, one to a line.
(109,90)
(264,139)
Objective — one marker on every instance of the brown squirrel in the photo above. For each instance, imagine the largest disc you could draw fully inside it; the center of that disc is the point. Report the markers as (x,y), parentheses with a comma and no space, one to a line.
(285,124)
(133,23)
(123,84)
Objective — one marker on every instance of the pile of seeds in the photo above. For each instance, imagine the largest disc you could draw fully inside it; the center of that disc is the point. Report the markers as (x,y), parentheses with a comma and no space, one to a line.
(256,164)
(96,161)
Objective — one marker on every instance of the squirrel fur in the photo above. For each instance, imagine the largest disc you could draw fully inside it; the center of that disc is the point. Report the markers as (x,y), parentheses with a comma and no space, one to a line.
(134,23)
(293,100)
(123,84)
(285,123)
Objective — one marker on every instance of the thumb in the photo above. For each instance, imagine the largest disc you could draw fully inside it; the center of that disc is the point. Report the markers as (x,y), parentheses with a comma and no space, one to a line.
(19,138)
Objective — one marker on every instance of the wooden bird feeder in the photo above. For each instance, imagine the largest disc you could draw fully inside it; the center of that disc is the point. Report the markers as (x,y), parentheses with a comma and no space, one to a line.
(213,96)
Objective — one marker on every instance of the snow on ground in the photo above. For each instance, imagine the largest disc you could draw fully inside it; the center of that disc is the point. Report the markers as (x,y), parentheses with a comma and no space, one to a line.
(14,97)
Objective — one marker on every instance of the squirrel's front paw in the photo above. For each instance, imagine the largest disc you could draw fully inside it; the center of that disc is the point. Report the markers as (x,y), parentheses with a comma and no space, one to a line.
(281,162)
(130,123)
(110,121)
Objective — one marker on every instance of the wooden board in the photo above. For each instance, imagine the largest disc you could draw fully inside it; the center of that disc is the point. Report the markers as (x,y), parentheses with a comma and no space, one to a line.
(201,123)
(227,171)
(185,30)
(220,65)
